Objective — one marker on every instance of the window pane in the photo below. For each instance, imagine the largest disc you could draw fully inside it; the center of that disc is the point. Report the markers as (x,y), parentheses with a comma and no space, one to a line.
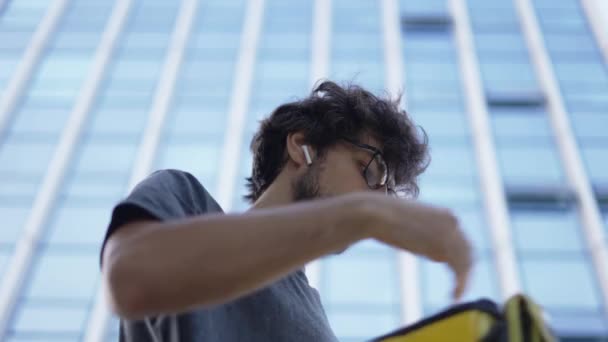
(100,156)
(29,338)
(61,66)
(423,7)
(596,160)
(562,42)
(4,258)
(25,157)
(454,160)
(449,191)
(437,283)
(532,229)
(514,124)
(475,227)
(79,224)
(13,219)
(516,162)
(50,279)
(545,281)
(49,319)
(508,71)
(37,120)
(96,187)
(500,41)
(439,124)
(274,69)
(204,122)
(590,72)
(591,125)
(15,188)
(200,159)
(132,122)
(432,71)
(362,325)
(367,279)
(579,323)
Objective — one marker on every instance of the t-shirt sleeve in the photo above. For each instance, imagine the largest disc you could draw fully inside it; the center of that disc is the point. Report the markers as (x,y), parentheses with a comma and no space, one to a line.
(164,195)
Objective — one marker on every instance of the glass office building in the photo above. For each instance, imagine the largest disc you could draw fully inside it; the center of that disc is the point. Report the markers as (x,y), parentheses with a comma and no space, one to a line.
(97,94)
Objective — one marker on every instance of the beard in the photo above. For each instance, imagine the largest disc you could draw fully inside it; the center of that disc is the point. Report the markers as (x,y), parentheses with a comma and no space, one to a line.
(307,186)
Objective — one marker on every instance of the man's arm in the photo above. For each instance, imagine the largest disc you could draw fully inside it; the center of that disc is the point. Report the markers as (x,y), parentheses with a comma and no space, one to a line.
(152,267)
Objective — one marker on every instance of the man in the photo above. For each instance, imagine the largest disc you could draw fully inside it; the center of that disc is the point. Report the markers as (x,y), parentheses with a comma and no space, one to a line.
(326,171)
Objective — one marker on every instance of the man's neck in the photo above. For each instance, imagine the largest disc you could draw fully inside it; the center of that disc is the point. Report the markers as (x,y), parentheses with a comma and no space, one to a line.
(277,194)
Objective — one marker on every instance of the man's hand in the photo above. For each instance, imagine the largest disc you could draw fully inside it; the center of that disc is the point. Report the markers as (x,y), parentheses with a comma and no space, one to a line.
(421,229)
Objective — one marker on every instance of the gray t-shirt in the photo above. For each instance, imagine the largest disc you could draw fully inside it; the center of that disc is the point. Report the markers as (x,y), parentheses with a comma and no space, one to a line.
(287,310)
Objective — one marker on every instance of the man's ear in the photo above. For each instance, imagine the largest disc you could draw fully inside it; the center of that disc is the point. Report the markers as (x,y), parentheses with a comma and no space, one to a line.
(295,152)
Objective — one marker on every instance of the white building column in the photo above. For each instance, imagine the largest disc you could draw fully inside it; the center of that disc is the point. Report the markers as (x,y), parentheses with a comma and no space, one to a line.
(319,69)
(25,68)
(239,103)
(98,322)
(49,190)
(411,306)
(597,16)
(591,219)
(495,204)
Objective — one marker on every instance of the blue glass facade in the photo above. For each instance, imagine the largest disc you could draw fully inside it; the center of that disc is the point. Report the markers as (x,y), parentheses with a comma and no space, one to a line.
(434,97)
(49,250)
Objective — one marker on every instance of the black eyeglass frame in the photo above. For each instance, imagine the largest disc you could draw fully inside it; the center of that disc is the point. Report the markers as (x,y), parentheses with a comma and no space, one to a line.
(375,152)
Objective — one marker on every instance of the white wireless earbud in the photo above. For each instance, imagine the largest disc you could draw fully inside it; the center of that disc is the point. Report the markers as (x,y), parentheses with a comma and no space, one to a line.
(307,154)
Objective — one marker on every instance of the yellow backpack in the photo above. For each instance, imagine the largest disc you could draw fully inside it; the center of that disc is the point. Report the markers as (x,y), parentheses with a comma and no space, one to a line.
(519,321)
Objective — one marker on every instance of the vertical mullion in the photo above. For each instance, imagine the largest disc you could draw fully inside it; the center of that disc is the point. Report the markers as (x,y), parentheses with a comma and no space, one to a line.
(164,92)
(163,95)
(239,102)
(320,54)
(494,196)
(19,80)
(592,224)
(49,190)
(321,40)
(594,16)
(411,308)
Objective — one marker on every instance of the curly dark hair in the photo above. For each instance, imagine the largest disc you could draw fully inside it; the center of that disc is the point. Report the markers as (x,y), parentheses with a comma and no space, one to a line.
(332,112)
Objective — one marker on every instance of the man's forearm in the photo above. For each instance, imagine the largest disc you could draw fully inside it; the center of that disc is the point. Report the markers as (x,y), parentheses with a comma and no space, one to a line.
(210,259)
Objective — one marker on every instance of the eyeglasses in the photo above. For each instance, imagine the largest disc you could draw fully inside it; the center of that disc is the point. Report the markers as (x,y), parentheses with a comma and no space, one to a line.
(376,172)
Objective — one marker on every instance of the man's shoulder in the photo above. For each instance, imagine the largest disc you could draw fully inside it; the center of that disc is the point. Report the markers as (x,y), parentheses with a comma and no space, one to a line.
(175,178)
(187,187)
(173,174)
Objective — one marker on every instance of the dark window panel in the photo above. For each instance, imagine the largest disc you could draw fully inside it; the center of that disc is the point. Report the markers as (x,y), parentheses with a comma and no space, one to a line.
(532,197)
(601,193)
(515,99)
(429,22)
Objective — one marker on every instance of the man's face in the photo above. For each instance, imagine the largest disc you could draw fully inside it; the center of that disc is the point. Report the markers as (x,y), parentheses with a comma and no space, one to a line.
(339,172)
